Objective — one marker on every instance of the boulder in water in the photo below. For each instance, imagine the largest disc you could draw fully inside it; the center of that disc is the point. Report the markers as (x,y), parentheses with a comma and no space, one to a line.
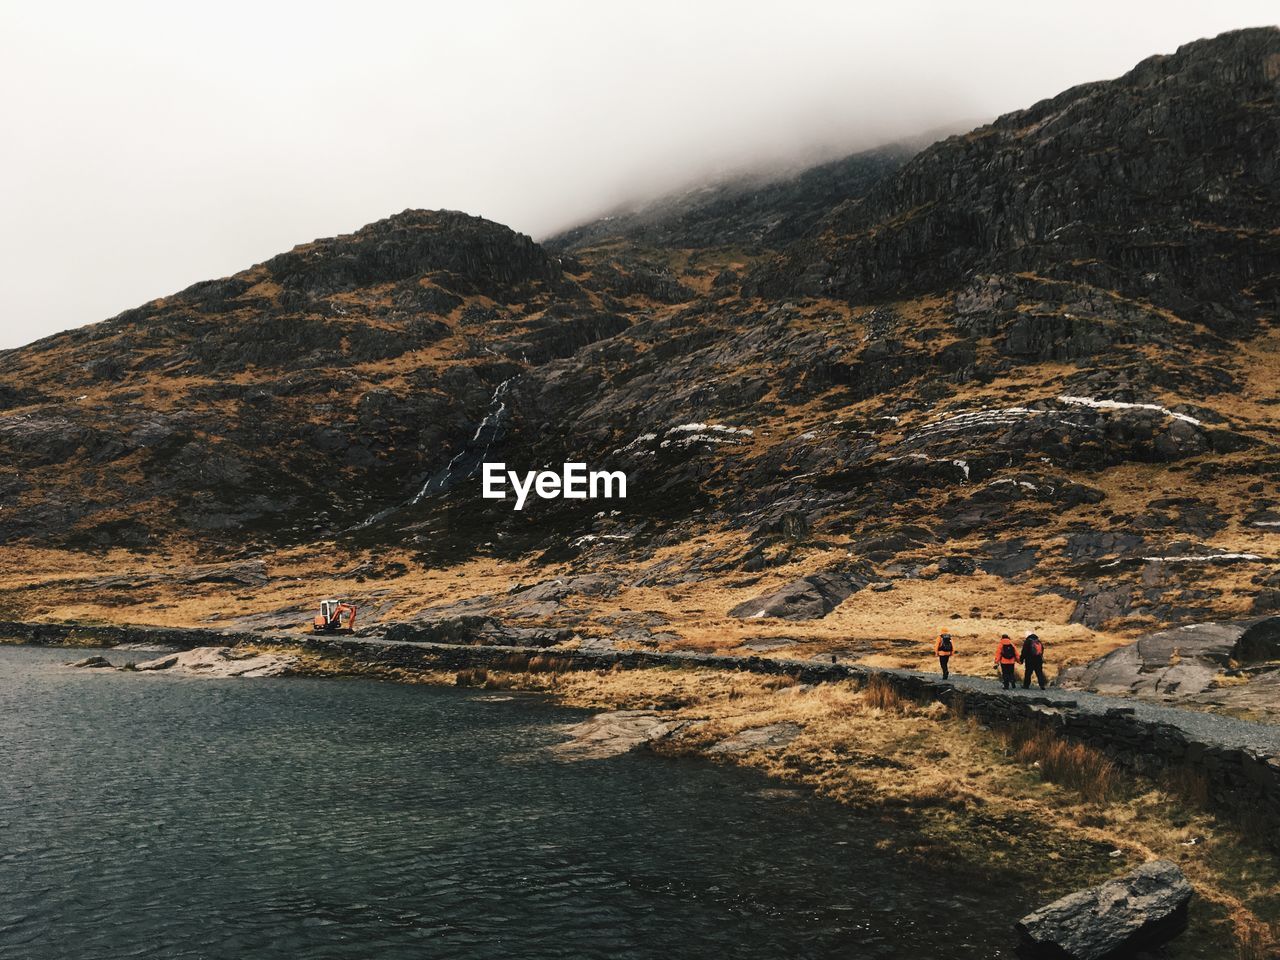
(222,662)
(1143,908)
(613,733)
(91,662)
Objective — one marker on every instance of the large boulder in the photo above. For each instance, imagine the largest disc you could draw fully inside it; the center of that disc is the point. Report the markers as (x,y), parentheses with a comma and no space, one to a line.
(1168,664)
(1226,665)
(1143,908)
(808,598)
(1259,643)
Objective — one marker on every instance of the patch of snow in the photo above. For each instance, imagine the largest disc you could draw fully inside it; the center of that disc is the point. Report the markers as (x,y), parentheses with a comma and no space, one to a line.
(962,464)
(993,419)
(643,438)
(1021,483)
(1121,405)
(1207,558)
(713,427)
(593,537)
(686,434)
(692,438)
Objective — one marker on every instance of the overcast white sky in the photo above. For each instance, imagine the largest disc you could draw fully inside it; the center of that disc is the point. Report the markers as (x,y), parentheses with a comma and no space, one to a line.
(150,145)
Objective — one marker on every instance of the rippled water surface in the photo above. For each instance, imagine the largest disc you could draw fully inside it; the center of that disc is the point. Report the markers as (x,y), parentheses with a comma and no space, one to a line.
(157,816)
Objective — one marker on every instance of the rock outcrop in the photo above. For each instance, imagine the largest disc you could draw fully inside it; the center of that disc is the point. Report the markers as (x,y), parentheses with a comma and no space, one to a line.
(1069,181)
(773,736)
(220,662)
(1144,908)
(808,598)
(609,734)
(1231,666)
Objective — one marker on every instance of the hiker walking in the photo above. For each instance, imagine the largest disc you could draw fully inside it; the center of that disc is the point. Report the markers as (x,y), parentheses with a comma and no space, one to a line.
(1032,660)
(944,648)
(1006,657)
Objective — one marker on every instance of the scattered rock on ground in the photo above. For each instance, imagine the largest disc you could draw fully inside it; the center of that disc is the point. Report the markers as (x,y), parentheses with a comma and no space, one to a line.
(1143,908)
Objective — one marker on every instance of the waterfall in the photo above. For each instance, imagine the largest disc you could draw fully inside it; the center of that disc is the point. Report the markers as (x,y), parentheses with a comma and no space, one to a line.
(463,463)
(466,461)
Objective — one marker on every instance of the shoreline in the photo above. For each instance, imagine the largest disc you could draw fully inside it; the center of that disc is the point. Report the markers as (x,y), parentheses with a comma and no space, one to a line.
(863,743)
(1238,760)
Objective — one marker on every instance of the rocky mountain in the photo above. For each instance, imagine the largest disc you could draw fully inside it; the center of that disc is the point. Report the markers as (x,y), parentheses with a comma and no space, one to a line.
(1027,374)
(751,213)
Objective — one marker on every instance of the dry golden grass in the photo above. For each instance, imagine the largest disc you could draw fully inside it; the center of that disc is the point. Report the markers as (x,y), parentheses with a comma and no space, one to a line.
(882,695)
(1076,765)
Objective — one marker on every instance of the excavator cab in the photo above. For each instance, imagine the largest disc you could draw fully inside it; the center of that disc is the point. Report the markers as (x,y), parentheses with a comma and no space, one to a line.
(335,617)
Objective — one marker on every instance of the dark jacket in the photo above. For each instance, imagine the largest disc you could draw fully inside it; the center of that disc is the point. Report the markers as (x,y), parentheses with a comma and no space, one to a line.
(1029,654)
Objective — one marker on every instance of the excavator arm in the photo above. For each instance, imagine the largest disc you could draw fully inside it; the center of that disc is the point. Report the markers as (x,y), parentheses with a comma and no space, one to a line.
(348,610)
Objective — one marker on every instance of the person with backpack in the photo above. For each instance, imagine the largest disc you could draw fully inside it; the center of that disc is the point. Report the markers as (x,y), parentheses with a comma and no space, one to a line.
(1006,657)
(1032,660)
(944,648)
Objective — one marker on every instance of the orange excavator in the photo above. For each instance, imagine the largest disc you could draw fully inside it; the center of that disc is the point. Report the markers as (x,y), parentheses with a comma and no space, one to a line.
(335,617)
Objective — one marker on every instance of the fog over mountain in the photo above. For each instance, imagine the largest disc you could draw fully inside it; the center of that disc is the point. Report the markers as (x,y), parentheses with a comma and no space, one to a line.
(150,146)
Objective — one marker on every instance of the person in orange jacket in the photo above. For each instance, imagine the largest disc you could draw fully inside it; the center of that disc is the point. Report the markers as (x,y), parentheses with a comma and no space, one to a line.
(1006,657)
(944,648)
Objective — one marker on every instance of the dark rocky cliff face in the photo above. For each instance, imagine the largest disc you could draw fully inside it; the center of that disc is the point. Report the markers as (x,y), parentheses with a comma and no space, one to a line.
(1161,185)
(1043,351)
(761,212)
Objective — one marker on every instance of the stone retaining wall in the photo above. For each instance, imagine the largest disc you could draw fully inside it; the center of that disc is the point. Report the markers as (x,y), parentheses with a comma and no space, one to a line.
(93,635)
(1241,781)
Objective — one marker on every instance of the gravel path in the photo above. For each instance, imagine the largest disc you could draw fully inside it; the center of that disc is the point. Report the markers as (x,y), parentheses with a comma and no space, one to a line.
(1231,732)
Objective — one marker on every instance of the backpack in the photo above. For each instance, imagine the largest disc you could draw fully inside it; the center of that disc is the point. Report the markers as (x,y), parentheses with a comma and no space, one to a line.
(944,646)
(1037,648)
(1008,652)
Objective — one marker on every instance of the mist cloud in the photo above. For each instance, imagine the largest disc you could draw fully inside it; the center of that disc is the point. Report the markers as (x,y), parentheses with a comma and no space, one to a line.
(148,146)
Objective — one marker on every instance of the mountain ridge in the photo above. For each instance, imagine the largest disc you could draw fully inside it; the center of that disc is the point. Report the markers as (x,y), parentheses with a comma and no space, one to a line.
(1010,370)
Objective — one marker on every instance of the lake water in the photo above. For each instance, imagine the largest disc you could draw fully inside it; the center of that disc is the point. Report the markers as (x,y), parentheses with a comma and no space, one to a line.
(161,816)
